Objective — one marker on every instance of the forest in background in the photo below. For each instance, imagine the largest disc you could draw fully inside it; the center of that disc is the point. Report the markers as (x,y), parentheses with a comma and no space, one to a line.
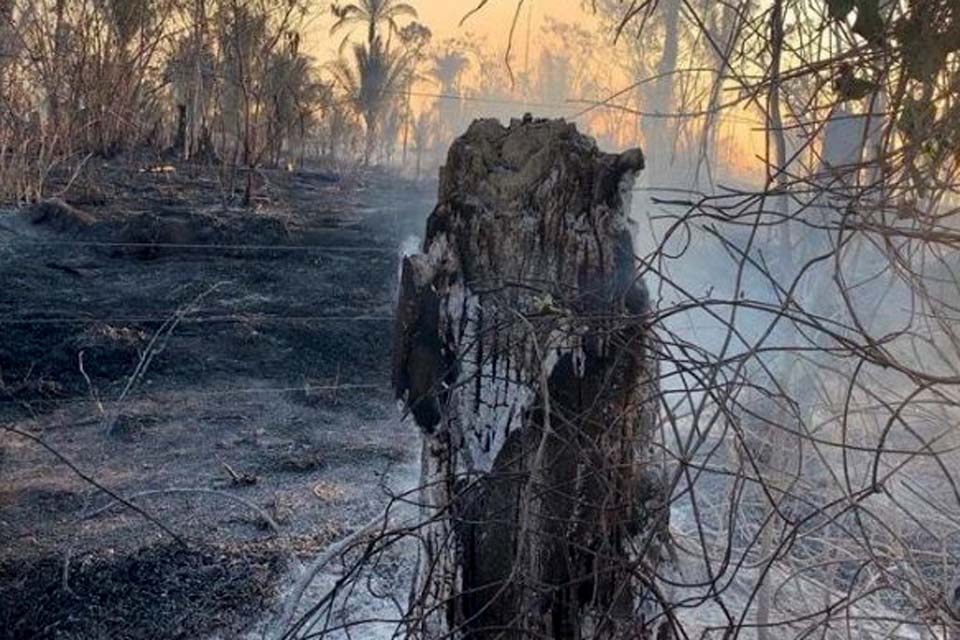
(234,81)
(796,226)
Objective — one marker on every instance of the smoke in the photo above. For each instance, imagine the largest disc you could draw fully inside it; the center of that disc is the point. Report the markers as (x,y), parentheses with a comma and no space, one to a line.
(410,245)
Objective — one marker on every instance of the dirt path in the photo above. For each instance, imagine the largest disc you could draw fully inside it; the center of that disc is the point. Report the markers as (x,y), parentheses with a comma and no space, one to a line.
(264,402)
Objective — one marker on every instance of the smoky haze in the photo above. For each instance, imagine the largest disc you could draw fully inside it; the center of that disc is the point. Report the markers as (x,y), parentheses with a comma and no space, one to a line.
(300,333)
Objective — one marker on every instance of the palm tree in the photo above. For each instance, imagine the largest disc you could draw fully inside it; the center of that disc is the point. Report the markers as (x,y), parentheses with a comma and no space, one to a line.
(371,84)
(293,93)
(448,68)
(372,14)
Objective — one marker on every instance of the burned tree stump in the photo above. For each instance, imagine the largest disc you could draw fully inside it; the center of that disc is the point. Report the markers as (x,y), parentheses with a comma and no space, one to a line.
(522,353)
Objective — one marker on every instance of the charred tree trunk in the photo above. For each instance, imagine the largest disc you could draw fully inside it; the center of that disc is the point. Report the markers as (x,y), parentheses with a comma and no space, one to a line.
(523,354)
(180,144)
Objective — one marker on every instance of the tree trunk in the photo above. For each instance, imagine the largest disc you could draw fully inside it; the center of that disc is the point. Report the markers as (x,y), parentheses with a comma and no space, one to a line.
(53,81)
(659,132)
(523,354)
(8,46)
(726,29)
(198,134)
(180,143)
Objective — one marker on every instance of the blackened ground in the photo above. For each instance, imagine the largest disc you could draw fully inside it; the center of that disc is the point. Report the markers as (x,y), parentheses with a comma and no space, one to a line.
(141,595)
(269,396)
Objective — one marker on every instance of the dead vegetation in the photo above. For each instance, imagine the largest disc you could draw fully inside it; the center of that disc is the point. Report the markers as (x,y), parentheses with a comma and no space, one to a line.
(261,376)
(167,296)
(160,591)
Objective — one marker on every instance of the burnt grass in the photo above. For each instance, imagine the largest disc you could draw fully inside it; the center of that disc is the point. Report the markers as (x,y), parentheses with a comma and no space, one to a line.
(162,591)
(288,277)
(248,320)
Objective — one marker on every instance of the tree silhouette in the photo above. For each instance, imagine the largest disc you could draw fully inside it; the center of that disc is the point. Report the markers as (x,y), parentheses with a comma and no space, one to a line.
(372,14)
(371,83)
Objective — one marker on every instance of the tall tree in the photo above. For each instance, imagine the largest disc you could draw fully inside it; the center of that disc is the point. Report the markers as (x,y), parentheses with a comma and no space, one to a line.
(450,63)
(191,70)
(371,82)
(415,38)
(372,15)
(659,130)
(292,94)
(7,46)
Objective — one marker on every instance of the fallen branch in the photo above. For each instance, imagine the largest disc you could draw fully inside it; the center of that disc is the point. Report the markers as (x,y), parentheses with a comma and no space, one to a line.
(155,346)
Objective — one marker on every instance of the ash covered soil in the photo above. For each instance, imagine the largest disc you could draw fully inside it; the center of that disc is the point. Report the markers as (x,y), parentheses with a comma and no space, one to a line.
(224,368)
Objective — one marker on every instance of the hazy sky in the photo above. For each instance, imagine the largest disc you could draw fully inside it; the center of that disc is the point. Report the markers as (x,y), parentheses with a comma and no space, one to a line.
(492,22)
(494,19)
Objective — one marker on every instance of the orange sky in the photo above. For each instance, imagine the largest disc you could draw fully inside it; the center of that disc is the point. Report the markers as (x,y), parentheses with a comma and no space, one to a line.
(492,22)
(495,18)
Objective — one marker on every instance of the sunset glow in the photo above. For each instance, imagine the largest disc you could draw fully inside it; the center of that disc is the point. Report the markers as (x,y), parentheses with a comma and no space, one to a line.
(479,319)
